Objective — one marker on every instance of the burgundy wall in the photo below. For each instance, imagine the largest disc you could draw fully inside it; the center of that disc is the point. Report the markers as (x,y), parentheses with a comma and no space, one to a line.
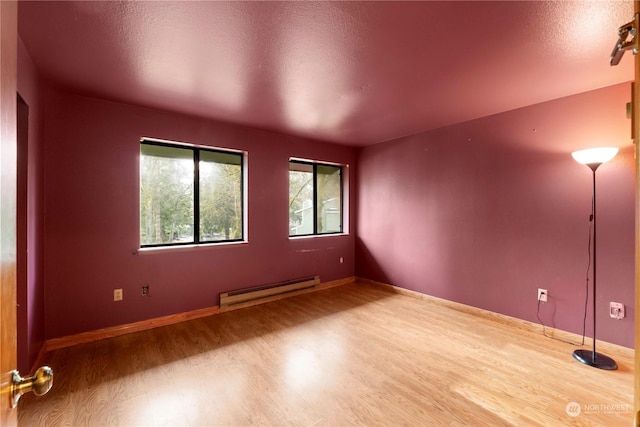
(92,217)
(30,221)
(483,213)
(487,211)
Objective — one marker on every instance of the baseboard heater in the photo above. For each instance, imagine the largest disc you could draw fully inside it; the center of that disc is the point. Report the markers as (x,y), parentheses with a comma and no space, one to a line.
(265,293)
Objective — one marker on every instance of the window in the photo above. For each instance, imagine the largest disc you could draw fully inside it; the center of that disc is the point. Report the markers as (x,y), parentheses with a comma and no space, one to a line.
(315,198)
(189,195)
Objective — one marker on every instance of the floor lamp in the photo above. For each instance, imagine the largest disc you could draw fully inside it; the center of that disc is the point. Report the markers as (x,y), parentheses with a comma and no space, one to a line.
(594,157)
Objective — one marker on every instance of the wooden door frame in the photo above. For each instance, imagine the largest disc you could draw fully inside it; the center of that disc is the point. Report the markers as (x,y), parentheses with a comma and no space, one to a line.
(636,141)
(8,165)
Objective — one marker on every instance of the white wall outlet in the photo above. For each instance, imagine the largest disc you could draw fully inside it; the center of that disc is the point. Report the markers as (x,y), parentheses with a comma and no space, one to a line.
(341,260)
(616,310)
(118,295)
(542,295)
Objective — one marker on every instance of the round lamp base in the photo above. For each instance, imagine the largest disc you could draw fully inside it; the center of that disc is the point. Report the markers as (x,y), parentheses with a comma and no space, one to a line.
(600,361)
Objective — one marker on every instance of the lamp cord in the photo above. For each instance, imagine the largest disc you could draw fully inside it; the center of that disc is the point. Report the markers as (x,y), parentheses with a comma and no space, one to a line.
(586,280)
(544,331)
(586,286)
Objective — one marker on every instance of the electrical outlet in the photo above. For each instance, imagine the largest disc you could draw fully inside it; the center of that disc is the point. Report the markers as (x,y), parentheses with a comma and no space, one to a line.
(616,310)
(145,290)
(118,295)
(542,295)
(341,260)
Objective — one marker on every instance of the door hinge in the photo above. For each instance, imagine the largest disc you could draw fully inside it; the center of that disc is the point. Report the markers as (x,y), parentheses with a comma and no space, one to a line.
(627,39)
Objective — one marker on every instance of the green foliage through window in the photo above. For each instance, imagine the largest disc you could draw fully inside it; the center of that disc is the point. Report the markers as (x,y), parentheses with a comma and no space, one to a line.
(315,198)
(189,195)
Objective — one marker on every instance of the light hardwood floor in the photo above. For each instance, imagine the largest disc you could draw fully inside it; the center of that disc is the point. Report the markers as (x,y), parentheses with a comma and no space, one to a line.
(356,354)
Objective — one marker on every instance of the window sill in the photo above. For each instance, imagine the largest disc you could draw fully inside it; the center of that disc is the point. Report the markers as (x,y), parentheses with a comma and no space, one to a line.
(188,248)
(316,236)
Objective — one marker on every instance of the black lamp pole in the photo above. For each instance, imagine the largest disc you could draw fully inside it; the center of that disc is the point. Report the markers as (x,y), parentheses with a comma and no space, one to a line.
(591,358)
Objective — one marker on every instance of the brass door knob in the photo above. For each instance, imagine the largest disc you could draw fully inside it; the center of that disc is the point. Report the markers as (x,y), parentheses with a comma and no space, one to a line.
(39,384)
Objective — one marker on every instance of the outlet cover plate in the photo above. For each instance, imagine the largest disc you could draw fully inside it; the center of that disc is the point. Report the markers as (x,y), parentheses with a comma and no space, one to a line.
(616,310)
(542,295)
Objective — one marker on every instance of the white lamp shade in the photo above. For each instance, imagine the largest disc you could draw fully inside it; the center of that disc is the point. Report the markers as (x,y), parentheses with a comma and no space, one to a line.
(595,155)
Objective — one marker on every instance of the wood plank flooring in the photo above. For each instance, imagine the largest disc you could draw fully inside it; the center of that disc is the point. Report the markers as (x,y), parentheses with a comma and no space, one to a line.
(356,354)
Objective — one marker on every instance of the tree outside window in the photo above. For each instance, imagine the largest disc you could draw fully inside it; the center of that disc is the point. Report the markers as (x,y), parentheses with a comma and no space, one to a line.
(315,198)
(189,195)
